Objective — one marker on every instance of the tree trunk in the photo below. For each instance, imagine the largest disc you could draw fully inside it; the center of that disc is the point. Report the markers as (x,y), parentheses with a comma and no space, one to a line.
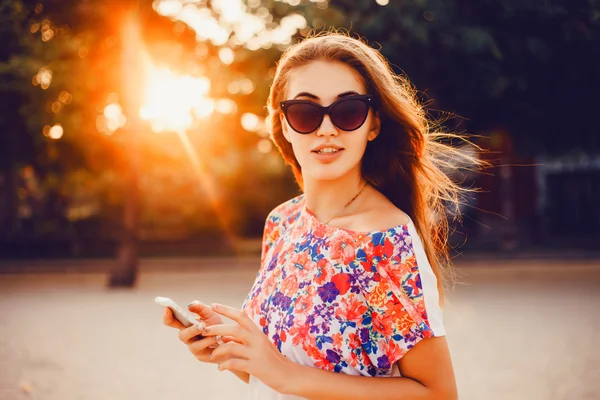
(9,207)
(124,272)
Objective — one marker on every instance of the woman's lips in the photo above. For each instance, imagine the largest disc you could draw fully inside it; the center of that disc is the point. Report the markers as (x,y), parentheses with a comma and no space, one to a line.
(327,157)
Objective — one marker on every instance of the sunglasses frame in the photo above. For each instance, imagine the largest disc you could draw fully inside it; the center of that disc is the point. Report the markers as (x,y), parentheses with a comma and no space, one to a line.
(326,110)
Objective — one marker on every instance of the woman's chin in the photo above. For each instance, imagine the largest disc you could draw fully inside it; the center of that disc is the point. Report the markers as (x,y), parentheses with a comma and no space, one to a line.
(324,173)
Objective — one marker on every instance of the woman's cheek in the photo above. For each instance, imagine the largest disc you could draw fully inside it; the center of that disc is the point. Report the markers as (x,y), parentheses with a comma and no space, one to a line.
(357,151)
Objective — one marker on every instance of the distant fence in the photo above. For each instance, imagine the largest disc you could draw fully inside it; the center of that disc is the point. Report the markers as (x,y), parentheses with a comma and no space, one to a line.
(569,200)
(534,204)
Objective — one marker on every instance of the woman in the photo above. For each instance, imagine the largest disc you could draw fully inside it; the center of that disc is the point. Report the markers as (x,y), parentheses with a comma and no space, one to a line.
(352,270)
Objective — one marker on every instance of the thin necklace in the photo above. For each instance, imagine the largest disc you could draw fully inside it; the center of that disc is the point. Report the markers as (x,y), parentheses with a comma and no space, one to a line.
(348,203)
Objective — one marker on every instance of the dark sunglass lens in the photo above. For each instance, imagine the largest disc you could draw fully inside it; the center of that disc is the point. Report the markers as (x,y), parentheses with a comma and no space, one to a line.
(349,115)
(303,118)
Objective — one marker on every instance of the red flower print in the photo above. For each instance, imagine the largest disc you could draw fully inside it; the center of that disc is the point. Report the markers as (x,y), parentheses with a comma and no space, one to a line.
(354,341)
(300,260)
(391,349)
(319,232)
(341,282)
(289,286)
(271,284)
(389,268)
(323,271)
(303,305)
(395,309)
(300,263)
(341,247)
(386,250)
(367,245)
(299,333)
(312,350)
(323,362)
(337,340)
(349,302)
(351,310)
(396,270)
(415,284)
(383,324)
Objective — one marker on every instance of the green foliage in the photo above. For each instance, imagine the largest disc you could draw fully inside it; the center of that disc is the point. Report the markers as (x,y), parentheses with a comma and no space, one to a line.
(522,66)
(526,67)
(86,169)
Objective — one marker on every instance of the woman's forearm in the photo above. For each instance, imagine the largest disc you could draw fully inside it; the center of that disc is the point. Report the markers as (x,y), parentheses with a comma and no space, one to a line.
(317,384)
(242,375)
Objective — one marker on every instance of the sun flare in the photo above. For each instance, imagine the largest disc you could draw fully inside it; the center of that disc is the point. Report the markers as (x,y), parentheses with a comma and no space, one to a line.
(172,102)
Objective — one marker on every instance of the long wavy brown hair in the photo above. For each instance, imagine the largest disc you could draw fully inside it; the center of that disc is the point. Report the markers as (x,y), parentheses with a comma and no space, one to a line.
(406,162)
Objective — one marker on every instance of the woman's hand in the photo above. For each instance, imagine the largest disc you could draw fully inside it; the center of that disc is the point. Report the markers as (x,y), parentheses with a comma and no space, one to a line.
(249,350)
(199,347)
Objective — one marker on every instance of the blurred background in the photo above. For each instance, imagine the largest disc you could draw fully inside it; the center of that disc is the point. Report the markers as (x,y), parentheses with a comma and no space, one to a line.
(134,155)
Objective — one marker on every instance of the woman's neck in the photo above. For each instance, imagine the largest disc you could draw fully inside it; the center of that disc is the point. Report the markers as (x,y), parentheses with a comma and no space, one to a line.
(327,199)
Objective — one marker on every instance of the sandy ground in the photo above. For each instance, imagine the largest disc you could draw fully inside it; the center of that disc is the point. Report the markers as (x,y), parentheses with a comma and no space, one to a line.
(517,330)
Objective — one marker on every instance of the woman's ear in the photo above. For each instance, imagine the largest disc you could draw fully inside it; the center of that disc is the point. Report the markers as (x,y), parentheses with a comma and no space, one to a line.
(284,127)
(375,127)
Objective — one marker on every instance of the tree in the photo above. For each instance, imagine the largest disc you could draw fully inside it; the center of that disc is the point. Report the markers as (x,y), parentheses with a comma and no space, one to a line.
(77,45)
(517,65)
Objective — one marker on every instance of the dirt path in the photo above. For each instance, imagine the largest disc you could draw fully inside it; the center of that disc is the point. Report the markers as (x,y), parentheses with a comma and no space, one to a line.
(517,331)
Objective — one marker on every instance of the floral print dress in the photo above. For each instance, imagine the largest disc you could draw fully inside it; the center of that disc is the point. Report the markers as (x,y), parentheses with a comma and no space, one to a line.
(340,300)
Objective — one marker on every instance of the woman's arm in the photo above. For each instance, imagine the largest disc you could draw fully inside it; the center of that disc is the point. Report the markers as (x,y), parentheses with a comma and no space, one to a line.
(426,368)
(426,374)
(242,375)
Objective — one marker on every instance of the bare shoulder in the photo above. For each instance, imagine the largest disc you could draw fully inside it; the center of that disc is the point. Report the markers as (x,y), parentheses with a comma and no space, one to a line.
(381,214)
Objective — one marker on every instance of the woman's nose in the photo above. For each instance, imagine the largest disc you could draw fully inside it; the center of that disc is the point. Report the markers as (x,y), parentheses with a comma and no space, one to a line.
(327,127)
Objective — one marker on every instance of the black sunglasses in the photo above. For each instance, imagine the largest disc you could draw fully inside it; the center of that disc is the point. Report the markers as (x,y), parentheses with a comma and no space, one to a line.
(348,113)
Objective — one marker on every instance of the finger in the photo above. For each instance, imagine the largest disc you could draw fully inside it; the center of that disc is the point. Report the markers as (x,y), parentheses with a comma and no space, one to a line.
(203,310)
(202,345)
(237,315)
(237,333)
(170,321)
(229,350)
(227,339)
(189,334)
(235,364)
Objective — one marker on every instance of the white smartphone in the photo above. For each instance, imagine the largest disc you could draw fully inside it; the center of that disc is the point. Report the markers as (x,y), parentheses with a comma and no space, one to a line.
(183,316)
